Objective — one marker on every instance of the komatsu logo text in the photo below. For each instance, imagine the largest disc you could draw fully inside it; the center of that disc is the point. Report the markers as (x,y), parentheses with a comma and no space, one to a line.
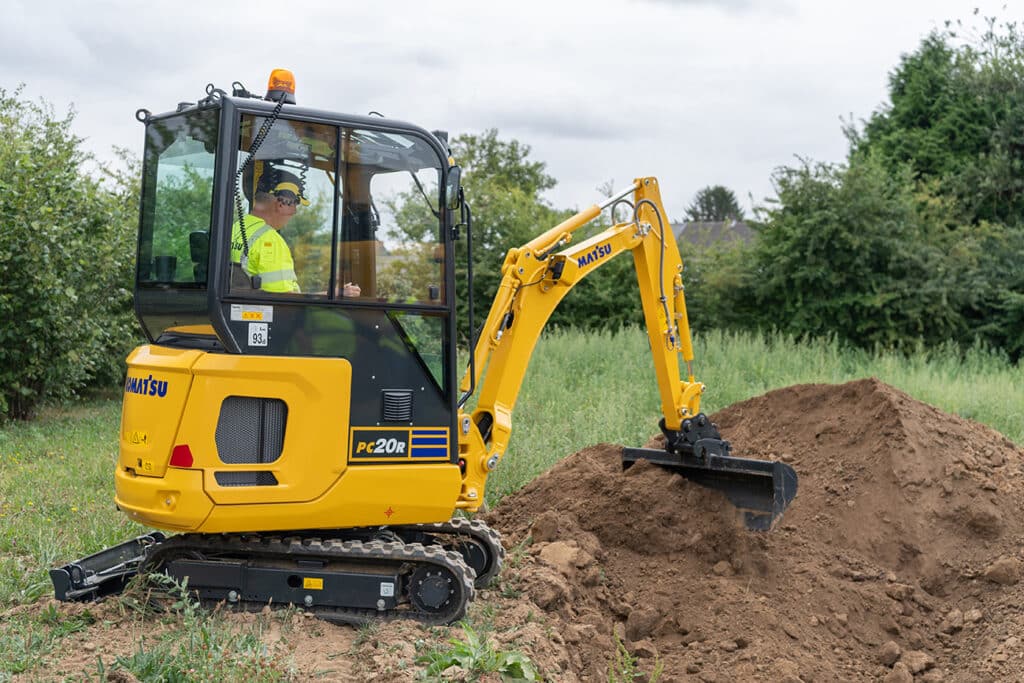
(595,254)
(147,386)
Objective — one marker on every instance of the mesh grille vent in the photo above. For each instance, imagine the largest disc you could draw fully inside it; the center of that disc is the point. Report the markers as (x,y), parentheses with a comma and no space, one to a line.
(397,405)
(250,430)
(245,478)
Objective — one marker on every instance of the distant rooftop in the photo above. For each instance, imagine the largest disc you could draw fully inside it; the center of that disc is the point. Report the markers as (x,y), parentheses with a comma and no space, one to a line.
(708,233)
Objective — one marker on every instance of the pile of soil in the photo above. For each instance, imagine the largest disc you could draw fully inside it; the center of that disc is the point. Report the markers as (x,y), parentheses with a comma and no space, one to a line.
(899,560)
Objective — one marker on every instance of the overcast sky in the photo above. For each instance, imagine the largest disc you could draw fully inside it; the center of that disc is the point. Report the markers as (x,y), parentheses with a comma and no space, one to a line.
(696,92)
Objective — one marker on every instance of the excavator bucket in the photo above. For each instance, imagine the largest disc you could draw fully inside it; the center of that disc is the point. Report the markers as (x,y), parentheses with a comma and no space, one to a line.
(760,489)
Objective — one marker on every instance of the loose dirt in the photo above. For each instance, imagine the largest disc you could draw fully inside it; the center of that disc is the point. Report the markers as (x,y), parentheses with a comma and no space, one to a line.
(899,560)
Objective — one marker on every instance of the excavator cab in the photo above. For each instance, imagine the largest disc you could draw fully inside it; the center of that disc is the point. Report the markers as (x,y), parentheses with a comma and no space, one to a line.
(289,400)
(201,168)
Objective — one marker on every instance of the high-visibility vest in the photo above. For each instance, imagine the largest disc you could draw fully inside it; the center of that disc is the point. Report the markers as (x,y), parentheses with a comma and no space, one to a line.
(269,255)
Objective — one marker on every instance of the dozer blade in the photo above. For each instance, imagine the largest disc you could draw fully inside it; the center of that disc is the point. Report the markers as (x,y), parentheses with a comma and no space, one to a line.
(103,573)
(760,489)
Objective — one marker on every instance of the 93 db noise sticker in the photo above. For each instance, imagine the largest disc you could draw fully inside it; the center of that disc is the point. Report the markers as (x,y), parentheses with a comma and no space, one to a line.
(259,334)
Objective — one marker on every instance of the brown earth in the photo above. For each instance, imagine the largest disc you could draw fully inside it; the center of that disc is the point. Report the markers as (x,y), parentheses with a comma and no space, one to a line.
(899,560)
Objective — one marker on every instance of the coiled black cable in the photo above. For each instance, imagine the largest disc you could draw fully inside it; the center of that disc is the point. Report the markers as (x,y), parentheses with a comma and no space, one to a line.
(257,141)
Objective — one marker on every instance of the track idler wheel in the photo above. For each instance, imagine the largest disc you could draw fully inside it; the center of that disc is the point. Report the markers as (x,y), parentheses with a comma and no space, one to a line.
(474,554)
(433,589)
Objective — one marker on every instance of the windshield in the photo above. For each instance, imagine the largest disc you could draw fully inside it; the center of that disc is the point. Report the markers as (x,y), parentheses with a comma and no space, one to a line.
(177,196)
(334,212)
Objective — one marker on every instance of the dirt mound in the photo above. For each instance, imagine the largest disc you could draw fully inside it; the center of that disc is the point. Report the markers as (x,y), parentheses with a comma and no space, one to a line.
(907,528)
(923,493)
(899,560)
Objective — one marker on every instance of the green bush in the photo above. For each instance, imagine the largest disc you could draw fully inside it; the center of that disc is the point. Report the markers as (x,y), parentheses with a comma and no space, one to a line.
(719,288)
(65,261)
(917,240)
(955,116)
(847,253)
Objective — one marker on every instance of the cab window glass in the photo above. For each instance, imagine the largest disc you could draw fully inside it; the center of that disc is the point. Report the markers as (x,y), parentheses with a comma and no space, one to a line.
(177,199)
(281,238)
(424,334)
(390,243)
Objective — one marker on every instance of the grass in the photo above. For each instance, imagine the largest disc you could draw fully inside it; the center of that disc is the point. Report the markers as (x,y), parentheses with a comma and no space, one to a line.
(56,494)
(28,638)
(624,667)
(201,648)
(585,389)
(56,473)
(476,656)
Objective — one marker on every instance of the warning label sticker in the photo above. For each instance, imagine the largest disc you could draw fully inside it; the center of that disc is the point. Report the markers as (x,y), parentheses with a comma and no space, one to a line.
(251,313)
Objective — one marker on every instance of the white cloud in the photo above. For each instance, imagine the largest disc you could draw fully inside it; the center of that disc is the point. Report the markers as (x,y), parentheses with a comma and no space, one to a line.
(697,92)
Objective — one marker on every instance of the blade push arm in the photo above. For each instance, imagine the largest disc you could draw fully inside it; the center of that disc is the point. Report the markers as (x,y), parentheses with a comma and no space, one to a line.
(535,278)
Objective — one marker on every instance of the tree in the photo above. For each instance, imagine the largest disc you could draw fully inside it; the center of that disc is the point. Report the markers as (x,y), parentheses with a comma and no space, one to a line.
(955,116)
(846,252)
(66,254)
(919,237)
(503,188)
(714,203)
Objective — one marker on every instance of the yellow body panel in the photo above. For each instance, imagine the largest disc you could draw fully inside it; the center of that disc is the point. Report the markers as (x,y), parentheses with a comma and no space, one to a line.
(175,501)
(316,392)
(365,496)
(316,485)
(155,391)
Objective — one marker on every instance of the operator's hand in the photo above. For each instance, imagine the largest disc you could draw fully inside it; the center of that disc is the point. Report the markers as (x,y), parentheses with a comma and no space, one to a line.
(350,289)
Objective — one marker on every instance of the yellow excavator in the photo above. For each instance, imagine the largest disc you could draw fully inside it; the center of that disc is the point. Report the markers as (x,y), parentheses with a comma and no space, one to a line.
(310,446)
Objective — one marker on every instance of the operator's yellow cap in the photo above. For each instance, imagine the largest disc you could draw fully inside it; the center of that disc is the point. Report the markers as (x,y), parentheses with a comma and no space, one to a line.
(286,186)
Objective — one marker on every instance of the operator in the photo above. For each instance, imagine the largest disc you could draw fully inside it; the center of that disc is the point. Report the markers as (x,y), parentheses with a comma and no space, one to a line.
(275,201)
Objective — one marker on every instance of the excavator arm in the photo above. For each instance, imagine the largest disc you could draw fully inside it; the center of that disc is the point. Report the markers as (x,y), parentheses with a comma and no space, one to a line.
(535,278)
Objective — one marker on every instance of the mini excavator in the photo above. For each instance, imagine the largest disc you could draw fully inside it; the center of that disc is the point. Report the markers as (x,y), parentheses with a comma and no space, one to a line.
(311,448)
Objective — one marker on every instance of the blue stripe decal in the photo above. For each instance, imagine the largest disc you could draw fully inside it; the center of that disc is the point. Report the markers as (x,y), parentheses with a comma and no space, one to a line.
(430,452)
(429,443)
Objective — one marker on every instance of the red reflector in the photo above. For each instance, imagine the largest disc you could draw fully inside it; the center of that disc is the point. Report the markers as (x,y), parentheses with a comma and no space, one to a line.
(181,456)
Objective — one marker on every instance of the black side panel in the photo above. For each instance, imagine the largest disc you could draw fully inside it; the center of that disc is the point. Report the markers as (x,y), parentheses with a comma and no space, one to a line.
(159,309)
(382,361)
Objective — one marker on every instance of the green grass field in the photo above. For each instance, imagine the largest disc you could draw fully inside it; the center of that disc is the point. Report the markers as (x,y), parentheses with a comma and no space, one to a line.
(56,473)
(583,389)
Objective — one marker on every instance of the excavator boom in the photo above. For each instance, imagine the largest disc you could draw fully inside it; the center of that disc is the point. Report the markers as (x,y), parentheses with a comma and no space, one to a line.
(535,278)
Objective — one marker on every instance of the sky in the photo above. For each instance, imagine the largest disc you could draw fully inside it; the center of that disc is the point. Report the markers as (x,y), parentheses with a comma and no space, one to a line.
(695,92)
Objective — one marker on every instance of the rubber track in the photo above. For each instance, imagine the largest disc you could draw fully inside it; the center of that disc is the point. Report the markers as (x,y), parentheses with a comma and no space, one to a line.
(257,546)
(475,528)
